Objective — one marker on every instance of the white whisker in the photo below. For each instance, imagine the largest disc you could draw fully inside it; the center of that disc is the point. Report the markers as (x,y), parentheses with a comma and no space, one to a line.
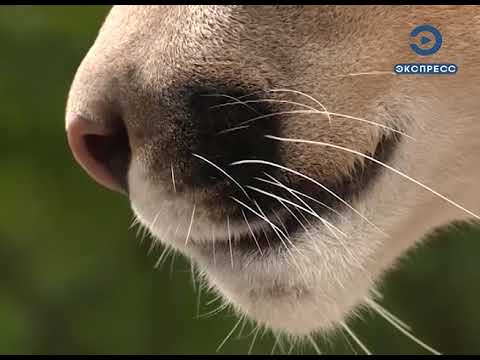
(253,340)
(294,193)
(232,129)
(215,299)
(290,112)
(286,237)
(318,112)
(283,199)
(135,221)
(395,318)
(312,110)
(252,233)
(268,101)
(192,274)
(355,338)
(381,164)
(173,179)
(229,335)
(314,344)
(242,328)
(316,201)
(213,312)
(308,97)
(256,213)
(309,179)
(236,101)
(230,240)
(383,314)
(224,173)
(162,257)
(191,224)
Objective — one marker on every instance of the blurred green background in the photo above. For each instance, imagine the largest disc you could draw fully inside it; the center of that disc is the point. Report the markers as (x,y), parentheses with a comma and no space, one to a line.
(75,279)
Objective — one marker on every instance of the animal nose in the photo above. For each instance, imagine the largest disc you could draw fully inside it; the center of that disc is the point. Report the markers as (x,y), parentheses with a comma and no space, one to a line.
(101,148)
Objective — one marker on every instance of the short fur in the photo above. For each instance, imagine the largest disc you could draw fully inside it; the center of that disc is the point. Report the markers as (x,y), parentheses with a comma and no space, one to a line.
(143,53)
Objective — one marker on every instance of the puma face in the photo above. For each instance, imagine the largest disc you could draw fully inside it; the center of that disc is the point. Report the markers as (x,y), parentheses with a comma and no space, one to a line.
(275,147)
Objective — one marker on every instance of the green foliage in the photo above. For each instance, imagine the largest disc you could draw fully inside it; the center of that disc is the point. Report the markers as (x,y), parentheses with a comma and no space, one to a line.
(75,279)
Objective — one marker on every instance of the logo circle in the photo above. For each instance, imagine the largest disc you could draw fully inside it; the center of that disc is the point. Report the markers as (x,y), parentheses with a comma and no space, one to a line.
(426,28)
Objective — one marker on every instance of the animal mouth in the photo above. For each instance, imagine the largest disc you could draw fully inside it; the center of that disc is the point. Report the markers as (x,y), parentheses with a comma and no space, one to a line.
(314,204)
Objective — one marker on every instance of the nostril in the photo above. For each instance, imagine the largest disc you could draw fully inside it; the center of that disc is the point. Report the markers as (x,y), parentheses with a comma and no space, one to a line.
(103,152)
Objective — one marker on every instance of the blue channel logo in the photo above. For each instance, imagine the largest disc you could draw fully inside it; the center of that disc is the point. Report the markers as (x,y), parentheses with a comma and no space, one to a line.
(425,40)
(428,40)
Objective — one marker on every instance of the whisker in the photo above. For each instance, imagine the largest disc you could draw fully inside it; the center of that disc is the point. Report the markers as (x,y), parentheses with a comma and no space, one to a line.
(274,345)
(281,240)
(236,100)
(192,274)
(152,224)
(292,347)
(154,241)
(280,234)
(229,334)
(278,183)
(381,164)
(311,109)
(252,233)
(224,173)
(302,94)
(231,130)
(173,178)
(230,240)
(395,318)
(139,228)
(215,299)
(289,112)
(167,250)
(253,340)
(327,224)
(372,123)
(281,222)
(191,224)
(256,213)
(309,179)
(283,199)
(213,312)
(314,344)
(379,311)
(309,211)
(278,341)
(293,192)
(266,101)
(347,340)
(308,97)
(135,221)
(355,338)
(242,328)
(328,113)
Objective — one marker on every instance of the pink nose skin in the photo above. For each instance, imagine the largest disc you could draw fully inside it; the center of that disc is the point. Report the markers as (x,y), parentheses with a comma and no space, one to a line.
(78,129)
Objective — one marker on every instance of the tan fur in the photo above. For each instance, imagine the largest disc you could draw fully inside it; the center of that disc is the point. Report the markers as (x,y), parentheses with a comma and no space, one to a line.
(143,52)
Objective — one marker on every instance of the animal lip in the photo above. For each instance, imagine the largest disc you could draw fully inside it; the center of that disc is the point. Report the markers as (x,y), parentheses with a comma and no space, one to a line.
(278,235)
